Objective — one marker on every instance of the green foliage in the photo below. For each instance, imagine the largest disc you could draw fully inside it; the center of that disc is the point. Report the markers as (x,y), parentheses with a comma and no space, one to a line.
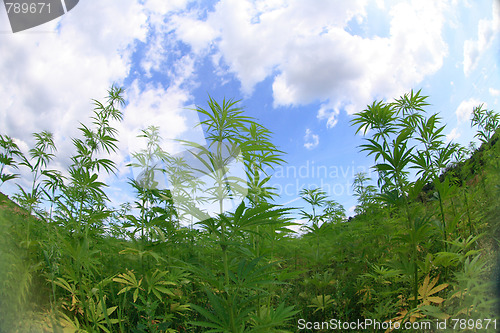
(9,150)
(487,122)
(364,192)
(422,245)
(403,138)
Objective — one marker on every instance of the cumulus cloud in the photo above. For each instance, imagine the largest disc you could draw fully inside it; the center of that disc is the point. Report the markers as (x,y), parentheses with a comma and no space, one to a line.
(305,50)
(465,108)
(351,211)
(51,73)
(194,32)
(311,140)
(487,30)
(453,135)
(155,105)
(308,53)
(310,56)
(330,114)
(494,92)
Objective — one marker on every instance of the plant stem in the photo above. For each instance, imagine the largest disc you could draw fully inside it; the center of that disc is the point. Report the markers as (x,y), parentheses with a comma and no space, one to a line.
(443,221)
(468,210)
(414,247)
(226,267)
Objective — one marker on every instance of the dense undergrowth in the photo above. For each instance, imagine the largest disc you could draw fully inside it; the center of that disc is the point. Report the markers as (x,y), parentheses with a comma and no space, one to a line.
(422,247)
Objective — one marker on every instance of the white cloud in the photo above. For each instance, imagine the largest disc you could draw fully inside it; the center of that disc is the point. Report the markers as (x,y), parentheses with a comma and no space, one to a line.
(167,108)
(196,33)
(158,8)
(453,135)
(311,57)
(157,106)
(465,108)
(349,71)
(486,32)
(494,92)
(329,114)
(311,140)
(298,228)
(51,73)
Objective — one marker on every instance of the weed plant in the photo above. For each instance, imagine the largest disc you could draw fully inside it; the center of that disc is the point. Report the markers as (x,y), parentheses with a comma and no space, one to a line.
(422,246)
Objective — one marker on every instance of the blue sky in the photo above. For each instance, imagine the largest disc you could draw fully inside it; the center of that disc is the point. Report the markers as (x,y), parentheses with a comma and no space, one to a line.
(301,68)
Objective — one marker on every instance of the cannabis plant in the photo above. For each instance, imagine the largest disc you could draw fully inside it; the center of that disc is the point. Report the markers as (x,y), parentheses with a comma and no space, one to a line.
(9,150)
(236,298)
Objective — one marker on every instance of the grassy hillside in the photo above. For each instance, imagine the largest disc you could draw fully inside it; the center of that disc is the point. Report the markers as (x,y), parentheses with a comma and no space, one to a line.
(365,265)
(23,285)
(421,250)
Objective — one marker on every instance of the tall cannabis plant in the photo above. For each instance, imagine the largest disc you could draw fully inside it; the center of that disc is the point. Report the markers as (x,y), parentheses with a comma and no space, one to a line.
(232,136)
(392,126)
(9,150)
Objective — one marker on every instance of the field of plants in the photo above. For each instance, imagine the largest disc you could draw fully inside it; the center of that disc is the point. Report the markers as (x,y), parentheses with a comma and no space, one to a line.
(422,246)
